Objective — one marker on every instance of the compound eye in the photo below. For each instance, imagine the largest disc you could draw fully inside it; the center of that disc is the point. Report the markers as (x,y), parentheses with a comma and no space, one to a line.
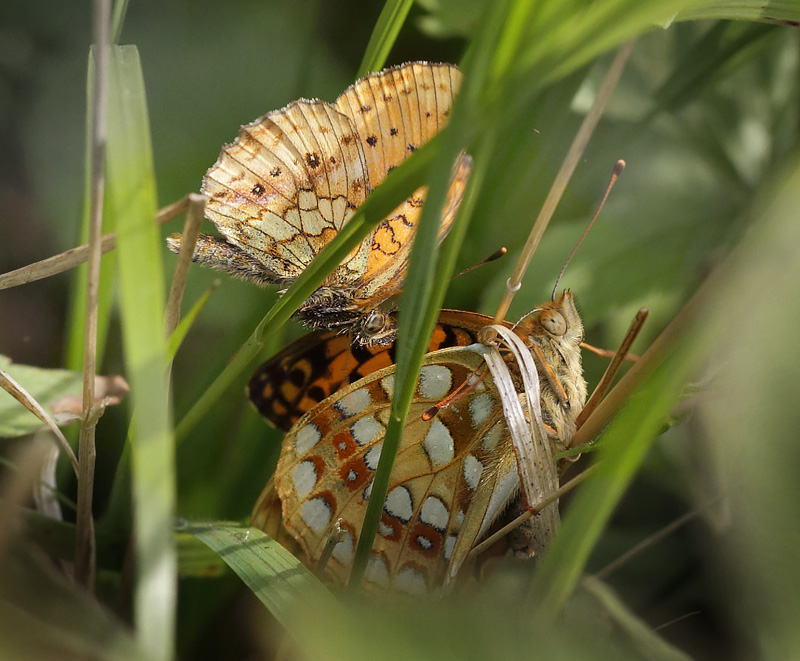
(553,322)
(375,322)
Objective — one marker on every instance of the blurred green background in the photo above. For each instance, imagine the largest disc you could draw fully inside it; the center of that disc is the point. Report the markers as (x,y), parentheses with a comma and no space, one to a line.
(706,116)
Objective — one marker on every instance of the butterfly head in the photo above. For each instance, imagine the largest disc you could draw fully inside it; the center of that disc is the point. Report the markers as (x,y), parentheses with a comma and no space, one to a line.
(369,323)
(376,328)
(557,320)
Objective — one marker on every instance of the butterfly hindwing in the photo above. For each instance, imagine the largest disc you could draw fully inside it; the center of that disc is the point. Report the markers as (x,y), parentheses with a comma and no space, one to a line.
(329,459)
(279,194)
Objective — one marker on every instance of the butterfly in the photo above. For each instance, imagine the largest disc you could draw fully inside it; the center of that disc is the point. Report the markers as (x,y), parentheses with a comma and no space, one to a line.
(455,472)
(292,179)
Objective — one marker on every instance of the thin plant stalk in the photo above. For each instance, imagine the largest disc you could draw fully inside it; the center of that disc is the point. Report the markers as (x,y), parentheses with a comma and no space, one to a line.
(73,257)
(84,538)
(391,20)
(191,230)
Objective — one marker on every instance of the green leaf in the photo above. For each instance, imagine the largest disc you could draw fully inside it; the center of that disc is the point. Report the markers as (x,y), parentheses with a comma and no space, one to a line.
(196,558)
(279,580)
(132,191)
(46,386)
(389,24)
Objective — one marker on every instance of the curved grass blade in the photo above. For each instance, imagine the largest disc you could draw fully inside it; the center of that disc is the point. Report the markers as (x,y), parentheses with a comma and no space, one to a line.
(785,12)
(428,275)
(179,334)
(279,580)
(118,20)
(391,20)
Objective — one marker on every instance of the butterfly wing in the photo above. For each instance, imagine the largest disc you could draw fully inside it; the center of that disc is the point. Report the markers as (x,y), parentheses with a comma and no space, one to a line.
(329,458)
(398,110)
(287,184)
(395,112)
(318,364)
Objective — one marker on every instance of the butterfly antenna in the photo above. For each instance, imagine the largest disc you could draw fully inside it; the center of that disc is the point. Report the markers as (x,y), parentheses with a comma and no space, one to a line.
(524,317)
(563,176)
(470,383)
(618,168)
(497,254)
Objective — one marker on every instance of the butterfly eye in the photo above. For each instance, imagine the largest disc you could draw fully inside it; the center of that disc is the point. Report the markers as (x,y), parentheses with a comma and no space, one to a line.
(553,322)
(375,322)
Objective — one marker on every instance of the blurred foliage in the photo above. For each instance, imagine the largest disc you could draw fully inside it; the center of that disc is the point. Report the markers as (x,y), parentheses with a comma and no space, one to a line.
(706,116)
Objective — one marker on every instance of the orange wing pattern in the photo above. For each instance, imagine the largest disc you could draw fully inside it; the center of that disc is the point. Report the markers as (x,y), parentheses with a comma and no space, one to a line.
(395,112)
(317,365)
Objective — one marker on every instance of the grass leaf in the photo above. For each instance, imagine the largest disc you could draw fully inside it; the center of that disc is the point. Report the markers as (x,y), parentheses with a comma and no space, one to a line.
(389,24)
(279,580)
(132,190)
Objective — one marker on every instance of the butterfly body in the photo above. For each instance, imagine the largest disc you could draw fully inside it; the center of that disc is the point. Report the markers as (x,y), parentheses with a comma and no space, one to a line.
(293,178)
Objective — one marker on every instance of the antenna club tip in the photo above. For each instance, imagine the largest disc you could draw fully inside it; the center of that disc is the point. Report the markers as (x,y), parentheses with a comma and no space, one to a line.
(430,413)
(619,167)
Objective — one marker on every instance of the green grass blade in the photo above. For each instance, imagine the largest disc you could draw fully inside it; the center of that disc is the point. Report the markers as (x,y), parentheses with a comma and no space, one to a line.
(424,288)
(179,334)
(389,24)
(279,580)
(399,183)
(196,558)
(771,12)
(133,194)
(118,20)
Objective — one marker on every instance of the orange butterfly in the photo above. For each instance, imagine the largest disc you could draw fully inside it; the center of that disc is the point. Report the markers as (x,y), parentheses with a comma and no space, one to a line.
(455,472)
(291,180)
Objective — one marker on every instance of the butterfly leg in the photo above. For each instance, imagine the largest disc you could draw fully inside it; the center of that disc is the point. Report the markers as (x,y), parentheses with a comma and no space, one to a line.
(552,377)
(223,256)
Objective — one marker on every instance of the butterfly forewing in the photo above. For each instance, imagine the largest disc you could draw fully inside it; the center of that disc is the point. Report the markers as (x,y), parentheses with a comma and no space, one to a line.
(398,110)
(279,199)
